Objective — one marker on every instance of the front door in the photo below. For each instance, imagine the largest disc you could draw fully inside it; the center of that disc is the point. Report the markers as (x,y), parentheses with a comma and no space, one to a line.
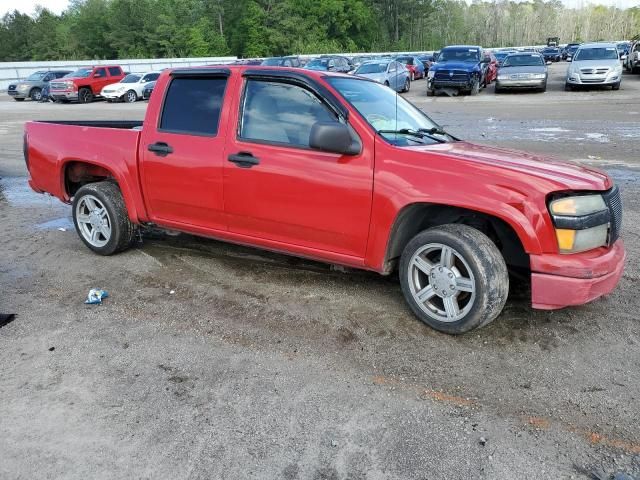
(285,191)
(182,156)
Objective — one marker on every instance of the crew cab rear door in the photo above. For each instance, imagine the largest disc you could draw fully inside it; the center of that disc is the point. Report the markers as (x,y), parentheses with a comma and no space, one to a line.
(277,187)
(182,150)
(100,79)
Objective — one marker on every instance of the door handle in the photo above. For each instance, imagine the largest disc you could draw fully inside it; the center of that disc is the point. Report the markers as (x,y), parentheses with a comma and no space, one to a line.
(160,148)
(244,159)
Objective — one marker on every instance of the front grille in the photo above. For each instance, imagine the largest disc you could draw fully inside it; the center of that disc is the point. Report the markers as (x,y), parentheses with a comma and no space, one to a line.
(58,86)
(593,71)
(452,75)
(614,203)
(592,80)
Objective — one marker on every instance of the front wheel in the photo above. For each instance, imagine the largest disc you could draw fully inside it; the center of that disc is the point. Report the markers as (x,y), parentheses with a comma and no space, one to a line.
(615,86)
(568,88)
(130,96)
(475,88)
(101,219)
(36,94)
(454,278)
(85,95)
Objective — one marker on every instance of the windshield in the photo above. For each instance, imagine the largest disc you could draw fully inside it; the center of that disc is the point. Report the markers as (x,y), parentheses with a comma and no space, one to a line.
(384,109)
(459,55)
(523,61)
(34,77)
(371,68)
(130,79)
(597,53)
(272,62)
(81,73)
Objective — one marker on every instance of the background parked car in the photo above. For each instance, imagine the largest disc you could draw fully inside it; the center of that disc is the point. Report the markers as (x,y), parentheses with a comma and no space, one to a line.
(330,64)
(490,67)
(632,62)
(595,64)
(130,88)
(570,51)
(413,64)
(427,60)
(148,90)
(551,54)
(522,70)
(460,67)
(291,61)
(501,55)
(85,83)
(32,86)
(388,72)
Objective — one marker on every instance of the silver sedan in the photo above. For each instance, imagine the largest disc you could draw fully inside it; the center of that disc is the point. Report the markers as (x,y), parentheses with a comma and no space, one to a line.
(388,72)
(522,70)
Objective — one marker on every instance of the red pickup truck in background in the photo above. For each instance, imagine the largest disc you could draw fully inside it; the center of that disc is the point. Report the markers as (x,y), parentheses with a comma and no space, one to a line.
(85,84)
(338,169)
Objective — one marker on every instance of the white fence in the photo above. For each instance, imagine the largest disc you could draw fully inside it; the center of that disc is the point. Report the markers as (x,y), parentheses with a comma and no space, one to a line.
(11,72)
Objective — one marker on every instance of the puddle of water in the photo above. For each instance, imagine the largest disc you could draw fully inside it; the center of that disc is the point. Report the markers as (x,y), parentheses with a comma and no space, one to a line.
(16,192)
(56,224)
(550,129)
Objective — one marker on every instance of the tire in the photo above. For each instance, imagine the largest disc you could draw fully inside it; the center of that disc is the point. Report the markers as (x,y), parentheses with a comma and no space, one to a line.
(130,97)
(18,99)
(430,92)
(544,88)
(475,89)
(85,95)
(102,203)
(615,86)
(476,266)
(36,94)
(498,89)
(407,86)
(568,88)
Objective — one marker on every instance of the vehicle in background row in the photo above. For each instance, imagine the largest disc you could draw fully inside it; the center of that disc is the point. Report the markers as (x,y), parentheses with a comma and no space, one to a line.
(148,90)
(130,88)
(31,87)
(553,41)
(290,61)
(388,72)
(502,54)
(623,50)
(413,65)
(522,71)
(490,67)
(329,64)
(461,67)
(551,54)
(427,60)
(595,64)
(85,84)
(342,170)
(632,62)
(570,51)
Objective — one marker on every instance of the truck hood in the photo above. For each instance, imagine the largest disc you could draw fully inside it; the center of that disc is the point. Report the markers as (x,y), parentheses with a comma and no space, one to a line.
(566,175)
(466,66)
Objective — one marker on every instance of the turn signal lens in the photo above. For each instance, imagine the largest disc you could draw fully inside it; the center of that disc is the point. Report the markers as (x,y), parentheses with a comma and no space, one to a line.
(566,239)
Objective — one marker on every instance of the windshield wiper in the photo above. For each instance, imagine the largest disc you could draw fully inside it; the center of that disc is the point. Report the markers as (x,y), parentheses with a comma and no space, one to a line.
(434,130)
(421,133)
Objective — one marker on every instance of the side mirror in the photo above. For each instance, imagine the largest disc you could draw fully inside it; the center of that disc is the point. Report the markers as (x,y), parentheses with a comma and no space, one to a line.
(334,137)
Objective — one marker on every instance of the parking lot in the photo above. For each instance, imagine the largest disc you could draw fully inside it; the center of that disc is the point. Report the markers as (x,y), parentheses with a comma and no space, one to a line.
(210,360)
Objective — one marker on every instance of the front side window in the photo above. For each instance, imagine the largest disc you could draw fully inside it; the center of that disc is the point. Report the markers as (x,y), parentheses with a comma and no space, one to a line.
(101,72)
(114,71)
(193,105)
(280,113)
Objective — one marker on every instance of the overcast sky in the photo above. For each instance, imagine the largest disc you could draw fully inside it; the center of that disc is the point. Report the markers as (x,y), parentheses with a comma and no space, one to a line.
(28,6)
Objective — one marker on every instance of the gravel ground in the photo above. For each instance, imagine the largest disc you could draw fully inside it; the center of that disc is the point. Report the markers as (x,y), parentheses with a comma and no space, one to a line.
(265,366)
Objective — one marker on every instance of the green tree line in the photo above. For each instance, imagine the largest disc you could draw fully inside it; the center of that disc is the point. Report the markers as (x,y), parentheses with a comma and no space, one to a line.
(111,29)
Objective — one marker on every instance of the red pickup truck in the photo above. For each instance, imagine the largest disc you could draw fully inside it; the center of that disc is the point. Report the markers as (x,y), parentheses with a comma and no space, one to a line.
(85,83)
(339,169)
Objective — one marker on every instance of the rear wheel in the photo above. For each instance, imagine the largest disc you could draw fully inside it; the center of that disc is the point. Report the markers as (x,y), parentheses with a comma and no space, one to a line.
(36,94)
(454,278)
(130,96)
(407,86)
(101,219)
(85,95)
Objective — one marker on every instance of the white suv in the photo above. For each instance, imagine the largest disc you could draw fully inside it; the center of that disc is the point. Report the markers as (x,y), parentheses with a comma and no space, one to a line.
(595,64)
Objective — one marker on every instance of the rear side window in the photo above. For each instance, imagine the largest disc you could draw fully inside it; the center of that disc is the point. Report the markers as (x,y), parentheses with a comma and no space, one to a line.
(115,71)
(192,105)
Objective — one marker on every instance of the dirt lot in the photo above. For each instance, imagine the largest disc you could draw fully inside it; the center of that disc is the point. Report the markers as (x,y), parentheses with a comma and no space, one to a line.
(264,366)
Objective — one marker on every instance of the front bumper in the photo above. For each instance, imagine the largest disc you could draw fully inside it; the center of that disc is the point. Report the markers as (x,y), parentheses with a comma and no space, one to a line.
(111,95)
(604,80)
(63,95)
(521,83)
(559,281)
(462,85)
(19,93)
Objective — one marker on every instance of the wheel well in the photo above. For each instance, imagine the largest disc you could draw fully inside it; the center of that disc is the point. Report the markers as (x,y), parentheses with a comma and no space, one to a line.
(418,217)
(77,174)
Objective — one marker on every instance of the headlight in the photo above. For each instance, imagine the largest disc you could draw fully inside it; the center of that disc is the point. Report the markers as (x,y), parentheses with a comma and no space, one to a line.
(582,222)
(431,74)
